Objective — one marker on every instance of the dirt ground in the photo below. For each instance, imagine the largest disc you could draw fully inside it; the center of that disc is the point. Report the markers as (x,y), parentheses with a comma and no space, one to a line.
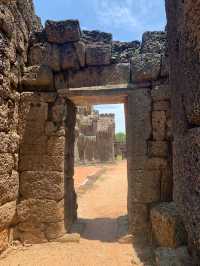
(83,171)
(102,211)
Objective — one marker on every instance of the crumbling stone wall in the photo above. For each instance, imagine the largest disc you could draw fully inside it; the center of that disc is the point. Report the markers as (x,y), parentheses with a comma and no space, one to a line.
(38,120)
(149,136)
(183,37)
(46,168)
(17,19)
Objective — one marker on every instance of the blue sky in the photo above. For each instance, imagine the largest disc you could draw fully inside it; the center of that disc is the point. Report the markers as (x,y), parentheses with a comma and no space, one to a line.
(125,19)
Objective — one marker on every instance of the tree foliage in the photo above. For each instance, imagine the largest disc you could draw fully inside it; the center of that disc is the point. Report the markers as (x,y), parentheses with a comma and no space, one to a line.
(120,137)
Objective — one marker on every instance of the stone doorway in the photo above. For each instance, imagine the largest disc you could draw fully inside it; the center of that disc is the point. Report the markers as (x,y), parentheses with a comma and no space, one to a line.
(100,217)
(65,68)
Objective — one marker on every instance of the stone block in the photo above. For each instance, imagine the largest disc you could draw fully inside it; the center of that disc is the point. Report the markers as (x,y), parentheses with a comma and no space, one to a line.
(138,146)
(166,176)
(139,103)
(145,67)
(136,162)
(45,54)
(9,186)
(53,57)
(167,227)
(138,216)
(96,37)
(6,163)
(31,132)
(97,55)
(7,214)
(41,163)
(161,93)
(139,117)
(55,230)
(158,149)
(55,146)
(161,106)
(37,148)
(145,186)
(38,76)
(69,58)
(155,163)
(159,125)
(80,52)
(62,31)
(37,54)
(30,226)
(69,238)
(102,75)
(154,42)
(35,236)
(42,185)
(37,112)
(35,211)
(9,143)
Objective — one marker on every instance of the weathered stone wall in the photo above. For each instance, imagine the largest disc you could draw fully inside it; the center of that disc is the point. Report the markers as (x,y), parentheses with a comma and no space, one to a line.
(17,19)
(37,120)
(184,40)
(149,136)
(46,168)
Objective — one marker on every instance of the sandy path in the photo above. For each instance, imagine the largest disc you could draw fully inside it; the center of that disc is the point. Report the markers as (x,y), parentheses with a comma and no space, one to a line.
(99,209)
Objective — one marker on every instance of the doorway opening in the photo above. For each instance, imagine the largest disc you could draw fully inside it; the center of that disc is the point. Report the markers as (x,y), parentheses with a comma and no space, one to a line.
(101,172)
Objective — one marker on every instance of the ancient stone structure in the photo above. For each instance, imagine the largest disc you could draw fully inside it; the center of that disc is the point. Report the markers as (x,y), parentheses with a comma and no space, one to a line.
(58,67)
(95,135)
(46,73)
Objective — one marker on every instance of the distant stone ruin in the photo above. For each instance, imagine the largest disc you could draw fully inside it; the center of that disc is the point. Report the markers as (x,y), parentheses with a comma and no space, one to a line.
(95,136)
(45,73)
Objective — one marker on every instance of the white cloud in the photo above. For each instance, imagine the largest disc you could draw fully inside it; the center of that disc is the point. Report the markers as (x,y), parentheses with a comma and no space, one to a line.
(116,14)
(129,15)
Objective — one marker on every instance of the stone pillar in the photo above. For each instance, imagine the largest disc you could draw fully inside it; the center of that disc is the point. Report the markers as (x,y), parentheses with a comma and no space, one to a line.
(143,186)
(149,154)
(45,165)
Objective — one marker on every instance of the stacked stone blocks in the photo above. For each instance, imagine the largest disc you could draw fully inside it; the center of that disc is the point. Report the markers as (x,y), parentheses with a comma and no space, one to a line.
(15,27)
(37,123)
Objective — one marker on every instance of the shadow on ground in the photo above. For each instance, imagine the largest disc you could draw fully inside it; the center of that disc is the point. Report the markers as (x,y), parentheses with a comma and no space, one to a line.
(110,230)
(103,229)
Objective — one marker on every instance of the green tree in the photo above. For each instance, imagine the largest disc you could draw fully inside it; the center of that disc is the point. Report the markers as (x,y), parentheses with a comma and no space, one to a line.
(120,137)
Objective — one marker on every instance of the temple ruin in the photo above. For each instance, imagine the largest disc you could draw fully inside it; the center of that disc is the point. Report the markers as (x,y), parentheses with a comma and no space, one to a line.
(45,73)
(95,136)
